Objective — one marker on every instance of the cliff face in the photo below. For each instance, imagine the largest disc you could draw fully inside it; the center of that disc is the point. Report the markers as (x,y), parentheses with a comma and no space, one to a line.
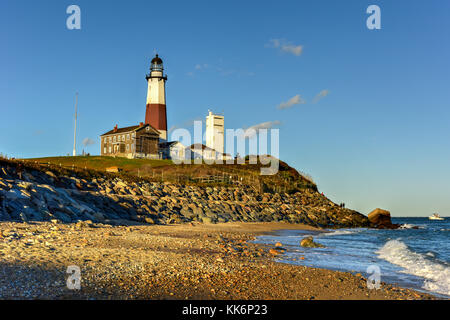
(42,195)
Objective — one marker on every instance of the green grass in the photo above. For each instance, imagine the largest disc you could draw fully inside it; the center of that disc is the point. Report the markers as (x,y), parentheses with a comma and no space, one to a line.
(286,180)
(101,163)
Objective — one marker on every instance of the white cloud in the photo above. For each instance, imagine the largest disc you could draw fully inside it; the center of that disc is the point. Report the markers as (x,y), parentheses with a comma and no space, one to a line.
(295,50)
(88,142)
(188,124)
(291,102)
(320,95)
(285,46)
(253,130)
(219,69)
(201,66)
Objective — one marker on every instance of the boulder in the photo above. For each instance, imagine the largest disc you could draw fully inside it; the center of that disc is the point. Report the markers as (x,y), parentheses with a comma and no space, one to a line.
(381,219)
(23,217)
(277,250)
(308,242)
(149,220)
(98,216)
(274,252)
(208,220)
(51,174)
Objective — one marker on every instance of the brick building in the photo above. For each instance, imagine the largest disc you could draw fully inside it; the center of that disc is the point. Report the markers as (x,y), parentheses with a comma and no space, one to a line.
(139,141)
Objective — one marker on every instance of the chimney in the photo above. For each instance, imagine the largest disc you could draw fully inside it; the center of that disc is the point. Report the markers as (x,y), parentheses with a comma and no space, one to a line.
(115,128)
(141,124)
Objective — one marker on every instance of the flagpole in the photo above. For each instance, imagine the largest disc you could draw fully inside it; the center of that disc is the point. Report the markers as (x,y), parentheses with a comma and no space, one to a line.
(75,130)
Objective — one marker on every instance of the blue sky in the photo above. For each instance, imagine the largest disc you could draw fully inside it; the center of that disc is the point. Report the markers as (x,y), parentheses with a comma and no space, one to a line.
(378,138)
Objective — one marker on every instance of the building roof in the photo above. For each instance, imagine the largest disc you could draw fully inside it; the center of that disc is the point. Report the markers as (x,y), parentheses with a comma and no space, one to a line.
(167,144)
(156,60)
(116,130)
(202,146)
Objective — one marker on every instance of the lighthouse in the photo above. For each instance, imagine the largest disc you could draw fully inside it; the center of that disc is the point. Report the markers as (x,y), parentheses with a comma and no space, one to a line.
(155,113)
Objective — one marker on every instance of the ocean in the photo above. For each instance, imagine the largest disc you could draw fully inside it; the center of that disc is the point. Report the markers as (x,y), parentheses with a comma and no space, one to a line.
(411,258)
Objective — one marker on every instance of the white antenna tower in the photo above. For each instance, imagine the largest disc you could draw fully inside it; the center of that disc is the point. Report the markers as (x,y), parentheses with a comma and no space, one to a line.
(75,130)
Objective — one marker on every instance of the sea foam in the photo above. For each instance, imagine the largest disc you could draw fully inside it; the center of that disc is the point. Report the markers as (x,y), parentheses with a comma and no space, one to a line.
(436,275)
(339,232)
(409,226)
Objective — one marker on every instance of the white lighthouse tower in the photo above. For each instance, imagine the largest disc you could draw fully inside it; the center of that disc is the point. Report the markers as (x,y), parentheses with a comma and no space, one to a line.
(215,132)
(155,113)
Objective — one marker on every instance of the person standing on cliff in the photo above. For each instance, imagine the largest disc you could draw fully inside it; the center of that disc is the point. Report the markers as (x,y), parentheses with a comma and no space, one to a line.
(19,170)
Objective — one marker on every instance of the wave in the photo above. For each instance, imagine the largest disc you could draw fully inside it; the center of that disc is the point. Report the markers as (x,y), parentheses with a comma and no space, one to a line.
(339,232)
(436,275)
(410,226)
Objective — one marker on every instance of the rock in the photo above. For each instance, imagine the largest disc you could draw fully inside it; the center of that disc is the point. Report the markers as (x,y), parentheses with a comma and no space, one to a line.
(25,185)
(3,171)
(23,217)
(308,242)
(381,219)
(208,220)
(51,174)
(149,220)
(275,252)
(61,216)
(98,216)
(83,224)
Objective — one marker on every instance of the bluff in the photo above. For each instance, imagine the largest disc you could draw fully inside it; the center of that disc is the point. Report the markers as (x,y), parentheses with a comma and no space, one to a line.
(39,193)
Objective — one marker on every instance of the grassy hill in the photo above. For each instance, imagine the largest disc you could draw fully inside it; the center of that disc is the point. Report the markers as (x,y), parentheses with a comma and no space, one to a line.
(287,180)
(101,163)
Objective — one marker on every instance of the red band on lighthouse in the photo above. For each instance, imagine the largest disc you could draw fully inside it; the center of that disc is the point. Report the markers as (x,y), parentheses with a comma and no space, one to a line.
(155,115)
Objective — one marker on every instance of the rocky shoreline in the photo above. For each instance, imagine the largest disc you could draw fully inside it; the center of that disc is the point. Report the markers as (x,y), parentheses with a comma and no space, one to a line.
(45,195)
(137,239)
(185,261)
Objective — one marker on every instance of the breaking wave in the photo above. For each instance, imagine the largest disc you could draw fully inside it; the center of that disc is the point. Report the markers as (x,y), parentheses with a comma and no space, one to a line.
(339,232)
(436,275)
(409,226)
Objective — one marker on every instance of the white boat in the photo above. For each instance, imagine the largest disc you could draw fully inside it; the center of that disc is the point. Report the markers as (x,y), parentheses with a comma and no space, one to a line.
(435,216)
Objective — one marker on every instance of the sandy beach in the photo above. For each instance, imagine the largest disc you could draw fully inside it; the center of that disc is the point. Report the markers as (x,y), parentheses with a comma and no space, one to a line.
(186,261)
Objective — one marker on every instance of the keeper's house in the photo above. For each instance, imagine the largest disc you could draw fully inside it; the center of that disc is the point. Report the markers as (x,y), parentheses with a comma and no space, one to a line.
(139,141)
